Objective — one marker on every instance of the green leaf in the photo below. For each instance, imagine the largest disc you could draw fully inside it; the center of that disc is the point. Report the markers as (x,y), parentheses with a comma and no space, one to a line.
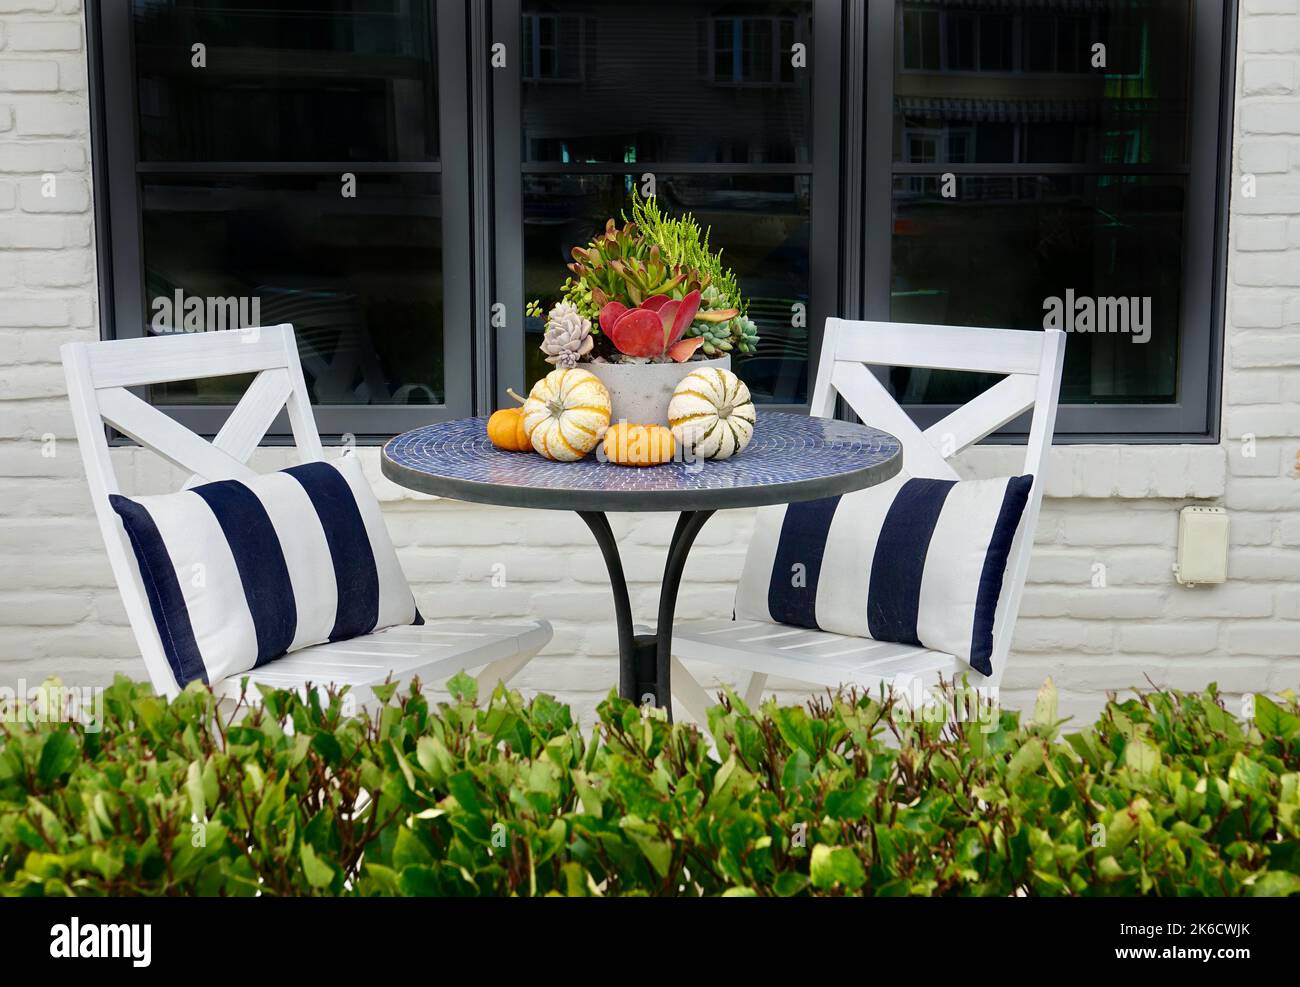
(1045,705)
(384,692)
(194,788)
(655,850)
(1273,721)
(852,804)
(796,729)
(789,883)
(836,867)
(1029,759)
(419,882)
(1276,884)
(58,754)
(463,687)
(327,746)
(1141,756)
(319,874)
(409,850)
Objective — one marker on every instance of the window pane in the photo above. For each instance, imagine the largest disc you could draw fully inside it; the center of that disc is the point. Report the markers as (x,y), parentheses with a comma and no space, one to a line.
(324,80)
(995,255)
(760,223)
(676,81)
(359,278)
(1053,106)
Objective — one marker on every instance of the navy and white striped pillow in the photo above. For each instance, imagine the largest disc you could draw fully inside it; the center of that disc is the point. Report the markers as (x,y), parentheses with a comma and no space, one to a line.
(239,573)
(915,561)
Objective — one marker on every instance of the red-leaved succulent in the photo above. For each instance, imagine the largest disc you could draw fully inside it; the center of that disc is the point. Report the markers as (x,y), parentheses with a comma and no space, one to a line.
(654,328)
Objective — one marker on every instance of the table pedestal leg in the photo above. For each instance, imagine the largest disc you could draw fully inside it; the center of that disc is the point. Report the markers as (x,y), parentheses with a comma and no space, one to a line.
(644,659)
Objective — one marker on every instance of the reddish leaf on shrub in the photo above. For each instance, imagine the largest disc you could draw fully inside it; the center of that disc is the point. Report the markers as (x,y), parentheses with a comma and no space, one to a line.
(655,302)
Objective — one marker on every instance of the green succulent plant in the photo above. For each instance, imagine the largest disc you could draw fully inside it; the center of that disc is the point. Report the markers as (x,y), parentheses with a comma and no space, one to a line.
(744,334)
(623,266)
(686,246)
(717,338)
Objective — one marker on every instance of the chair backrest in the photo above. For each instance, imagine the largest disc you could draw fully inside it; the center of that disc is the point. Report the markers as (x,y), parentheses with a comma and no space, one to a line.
(99,376)
(1032,361)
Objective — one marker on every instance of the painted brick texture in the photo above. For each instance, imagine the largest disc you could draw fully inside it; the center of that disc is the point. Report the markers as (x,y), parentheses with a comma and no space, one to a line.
(1102,611)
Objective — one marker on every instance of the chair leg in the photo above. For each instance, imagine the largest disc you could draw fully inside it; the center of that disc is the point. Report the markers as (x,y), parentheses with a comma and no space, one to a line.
(502,670)
(690,693)
(754,691)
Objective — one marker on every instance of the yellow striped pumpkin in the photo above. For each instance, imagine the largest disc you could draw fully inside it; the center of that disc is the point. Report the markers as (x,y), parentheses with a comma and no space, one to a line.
(566,414)
(712,412)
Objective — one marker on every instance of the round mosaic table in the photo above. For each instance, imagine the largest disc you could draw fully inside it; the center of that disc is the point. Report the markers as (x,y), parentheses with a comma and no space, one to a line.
(791,458)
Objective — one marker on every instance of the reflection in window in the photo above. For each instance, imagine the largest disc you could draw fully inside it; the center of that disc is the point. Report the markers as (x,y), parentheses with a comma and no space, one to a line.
(753,50)
(552,47)
(359,278)
(285,81)
(991,249)
(351,256)
(675,81)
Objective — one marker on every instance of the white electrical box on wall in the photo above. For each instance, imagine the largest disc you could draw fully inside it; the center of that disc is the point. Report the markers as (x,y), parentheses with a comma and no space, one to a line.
(1202,546)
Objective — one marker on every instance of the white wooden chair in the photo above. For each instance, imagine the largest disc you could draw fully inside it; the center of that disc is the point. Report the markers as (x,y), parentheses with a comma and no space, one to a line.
(99,375)
(1032,360)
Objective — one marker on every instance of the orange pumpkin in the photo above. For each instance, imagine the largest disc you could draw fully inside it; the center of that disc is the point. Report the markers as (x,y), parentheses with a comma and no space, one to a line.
(505,429)
(639,445)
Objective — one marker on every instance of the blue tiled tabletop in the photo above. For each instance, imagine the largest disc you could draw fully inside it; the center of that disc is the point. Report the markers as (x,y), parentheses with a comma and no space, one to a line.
(791,458)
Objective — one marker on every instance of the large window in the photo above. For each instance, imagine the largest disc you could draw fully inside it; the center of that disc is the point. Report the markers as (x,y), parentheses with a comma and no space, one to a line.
(1054,163)
(399,178)
(285,162)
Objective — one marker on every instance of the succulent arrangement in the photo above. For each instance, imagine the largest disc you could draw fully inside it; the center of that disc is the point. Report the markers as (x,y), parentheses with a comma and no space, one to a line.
(654,289)
(651,292)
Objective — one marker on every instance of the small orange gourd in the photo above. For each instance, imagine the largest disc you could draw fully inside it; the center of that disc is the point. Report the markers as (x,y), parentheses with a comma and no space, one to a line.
(639,445)
(505,429)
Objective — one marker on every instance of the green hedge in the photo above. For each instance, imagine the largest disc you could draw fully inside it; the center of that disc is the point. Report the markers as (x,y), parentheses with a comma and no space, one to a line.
(1167,794)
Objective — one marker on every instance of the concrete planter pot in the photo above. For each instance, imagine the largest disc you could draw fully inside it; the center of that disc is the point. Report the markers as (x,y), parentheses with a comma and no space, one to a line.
(639,392)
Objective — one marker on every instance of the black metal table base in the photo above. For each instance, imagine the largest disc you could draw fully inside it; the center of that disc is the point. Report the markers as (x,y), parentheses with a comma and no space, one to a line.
(644,673)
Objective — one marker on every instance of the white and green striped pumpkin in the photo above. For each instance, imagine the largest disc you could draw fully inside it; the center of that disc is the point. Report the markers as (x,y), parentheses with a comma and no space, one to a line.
(711,412)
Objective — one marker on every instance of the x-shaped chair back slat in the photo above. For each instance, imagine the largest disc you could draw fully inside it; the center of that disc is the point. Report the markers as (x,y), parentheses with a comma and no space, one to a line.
(100,376)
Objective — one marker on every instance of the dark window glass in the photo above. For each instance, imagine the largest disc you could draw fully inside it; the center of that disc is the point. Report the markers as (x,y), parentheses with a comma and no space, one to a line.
(290,80)
(997,40)
(1012,243)
(1039,51)
(995,249)
(1069,119)
(674,82)
(920,40)
(961,42)
(230,236)
(761,222)
(358,277)
(553,46)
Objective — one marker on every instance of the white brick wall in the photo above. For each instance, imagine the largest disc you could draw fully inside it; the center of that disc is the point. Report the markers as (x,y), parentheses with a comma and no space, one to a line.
(1116,505)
